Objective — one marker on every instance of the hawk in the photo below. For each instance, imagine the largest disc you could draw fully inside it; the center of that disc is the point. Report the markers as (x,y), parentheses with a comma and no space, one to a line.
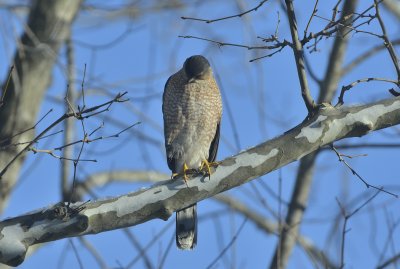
(192,110)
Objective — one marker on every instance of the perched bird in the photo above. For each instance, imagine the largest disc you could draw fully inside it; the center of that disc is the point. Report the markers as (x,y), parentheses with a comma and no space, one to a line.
(192,110)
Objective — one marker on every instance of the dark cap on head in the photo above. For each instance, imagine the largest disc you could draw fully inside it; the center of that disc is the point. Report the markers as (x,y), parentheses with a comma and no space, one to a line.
(196,66)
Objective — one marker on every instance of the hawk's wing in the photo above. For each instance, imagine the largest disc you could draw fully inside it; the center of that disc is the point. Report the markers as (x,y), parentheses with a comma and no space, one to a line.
(214,145)
(170,160)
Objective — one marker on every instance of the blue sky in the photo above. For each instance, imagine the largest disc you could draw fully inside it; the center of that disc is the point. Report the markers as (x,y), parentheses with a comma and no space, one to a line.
(264,99)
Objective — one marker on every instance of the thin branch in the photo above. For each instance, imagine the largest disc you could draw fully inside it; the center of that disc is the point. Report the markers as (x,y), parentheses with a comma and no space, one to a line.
(51,153)
(3,94)
(23,131)
(87,140)
(271,54)
(82,88)
(228,17)
(27,142)
(76,162)
(358,175)
(368,145)
(151,242)
(389,237)
(221,44)
(311,17)
(346,217)
(231,242)
(351,85)
(82,114)
(167,250)
(333,73)
(96,255)
(299,58)
(387,42)
(131,237)
(78,258)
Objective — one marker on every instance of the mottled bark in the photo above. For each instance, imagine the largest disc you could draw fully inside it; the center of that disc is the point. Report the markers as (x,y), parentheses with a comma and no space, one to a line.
(305,173)
(329,124)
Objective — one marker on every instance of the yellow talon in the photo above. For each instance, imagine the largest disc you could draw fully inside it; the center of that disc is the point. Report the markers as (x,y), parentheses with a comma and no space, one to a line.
(205,165)
(185,169)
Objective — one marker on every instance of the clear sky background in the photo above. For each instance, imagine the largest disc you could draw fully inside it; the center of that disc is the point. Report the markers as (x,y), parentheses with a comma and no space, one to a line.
(135,49)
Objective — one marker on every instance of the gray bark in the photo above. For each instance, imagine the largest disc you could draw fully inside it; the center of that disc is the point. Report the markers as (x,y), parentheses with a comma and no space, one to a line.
(299,199)
(328,125)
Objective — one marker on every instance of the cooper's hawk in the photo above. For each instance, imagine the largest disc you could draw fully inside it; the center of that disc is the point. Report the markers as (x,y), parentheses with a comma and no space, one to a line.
(192,110)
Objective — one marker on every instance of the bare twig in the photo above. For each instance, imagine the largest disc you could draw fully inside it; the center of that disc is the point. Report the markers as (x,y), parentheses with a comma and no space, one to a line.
(335,10)
(311,17)
(82,88)
(368,145)
(3,94)
(227,17)
(76,162)
(78,258)
(22,132)
(131,237)
(351,85)
(151,242)
(165,255)
(358,175)
(87,140)
(346,217)
(392,225)
(271,54)
(82,114)
(221,44)
(96,255)
(387,42)
(51,153)
(231,242)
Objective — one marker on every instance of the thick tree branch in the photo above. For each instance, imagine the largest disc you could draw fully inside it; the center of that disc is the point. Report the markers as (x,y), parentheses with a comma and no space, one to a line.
(327,125)
(299,199)
(48,25)
(104,178)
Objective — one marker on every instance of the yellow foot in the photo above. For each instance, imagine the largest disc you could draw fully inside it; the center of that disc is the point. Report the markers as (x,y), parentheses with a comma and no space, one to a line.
(205,167)
(185,176)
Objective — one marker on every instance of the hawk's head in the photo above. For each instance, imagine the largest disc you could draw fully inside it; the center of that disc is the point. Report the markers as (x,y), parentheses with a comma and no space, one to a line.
(197,67)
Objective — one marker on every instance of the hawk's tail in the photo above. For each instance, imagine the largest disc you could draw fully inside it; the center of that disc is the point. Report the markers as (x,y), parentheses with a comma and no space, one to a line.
(186,227)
